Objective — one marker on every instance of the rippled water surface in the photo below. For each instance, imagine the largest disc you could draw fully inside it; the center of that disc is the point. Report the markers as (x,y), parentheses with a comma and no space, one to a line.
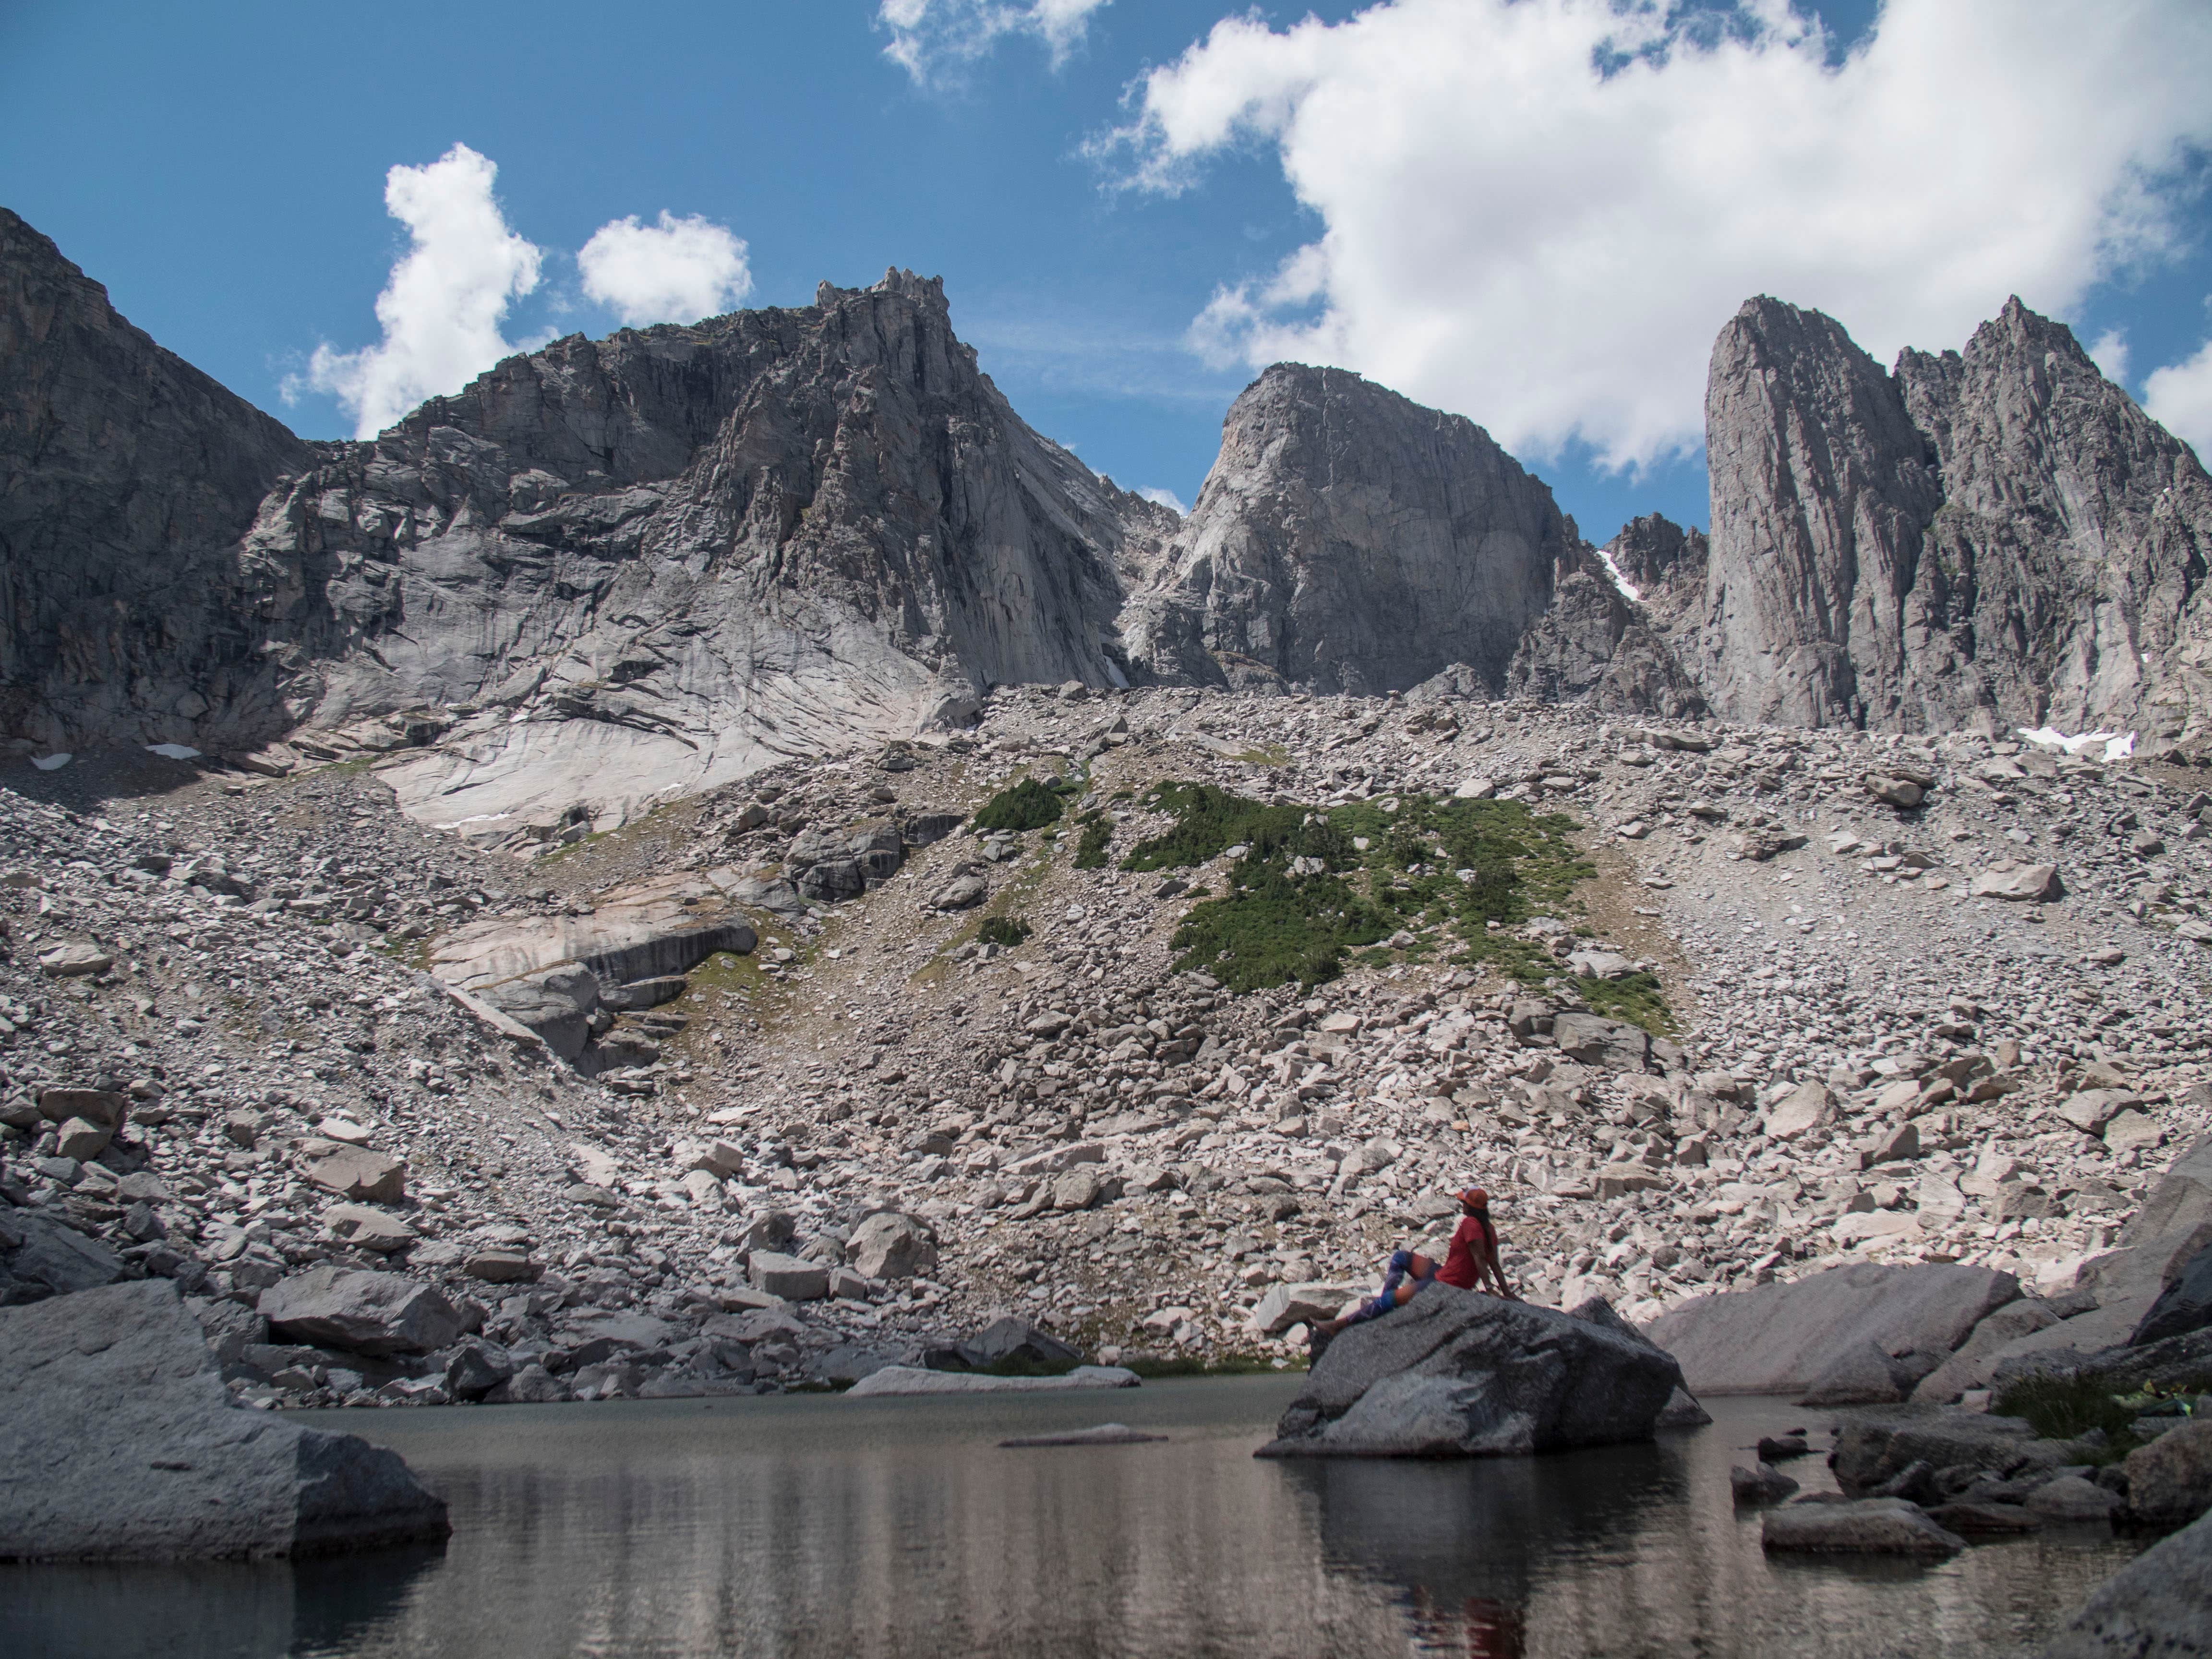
(820,1526)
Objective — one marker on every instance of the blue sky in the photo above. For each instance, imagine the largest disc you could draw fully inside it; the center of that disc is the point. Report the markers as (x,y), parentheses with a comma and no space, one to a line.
(222,170)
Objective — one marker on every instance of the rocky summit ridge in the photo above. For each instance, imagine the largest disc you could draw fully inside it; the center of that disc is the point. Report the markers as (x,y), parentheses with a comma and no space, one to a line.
(607,574)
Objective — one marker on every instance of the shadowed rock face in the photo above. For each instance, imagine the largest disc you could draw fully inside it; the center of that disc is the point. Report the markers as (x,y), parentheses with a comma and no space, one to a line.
(128,603)
(1348,540)
(1991,538)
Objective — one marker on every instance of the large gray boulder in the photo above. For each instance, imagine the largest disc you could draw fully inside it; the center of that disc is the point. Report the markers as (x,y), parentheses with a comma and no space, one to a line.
(2161,1603)
(2155,1249)
(1456,1374)
(369,1313)
(1872,1526)
(119,1442)
(39,1257)
(1784,1338)
(890,1245)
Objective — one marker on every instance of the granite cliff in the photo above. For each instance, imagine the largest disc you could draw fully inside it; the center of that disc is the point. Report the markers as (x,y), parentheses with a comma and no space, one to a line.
(603,572)
(1347,539)
(1990,538)
(609,571)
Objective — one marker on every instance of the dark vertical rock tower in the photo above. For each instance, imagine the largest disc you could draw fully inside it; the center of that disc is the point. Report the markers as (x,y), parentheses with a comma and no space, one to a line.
(128,601)
(1991,538)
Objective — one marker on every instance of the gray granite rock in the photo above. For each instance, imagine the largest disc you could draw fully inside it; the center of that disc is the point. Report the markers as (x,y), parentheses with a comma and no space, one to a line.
(1871,1526)
(1781,1338)
(376,1313)
(1456,1374)
(118,1443)
(1348,540)
(40,1257)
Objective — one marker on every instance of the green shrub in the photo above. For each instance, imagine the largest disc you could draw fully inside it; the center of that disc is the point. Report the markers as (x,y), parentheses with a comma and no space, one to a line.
(1097,833)
(1028,805)
(2068,1407)
(1006,931)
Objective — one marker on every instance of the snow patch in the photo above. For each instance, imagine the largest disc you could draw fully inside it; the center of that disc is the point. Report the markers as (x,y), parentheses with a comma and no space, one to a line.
(1619,581)
(2117,747)
(173,751)
(50,762)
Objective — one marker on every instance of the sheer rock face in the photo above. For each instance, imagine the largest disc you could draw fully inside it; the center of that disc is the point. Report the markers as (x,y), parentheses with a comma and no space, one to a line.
(1992,539)
(618,568)
(672,556)
(128,605)
(1348,540)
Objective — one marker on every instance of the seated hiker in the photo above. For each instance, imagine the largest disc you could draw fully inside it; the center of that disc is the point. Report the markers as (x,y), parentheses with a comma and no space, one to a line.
(1471,1263)
(1472,1259)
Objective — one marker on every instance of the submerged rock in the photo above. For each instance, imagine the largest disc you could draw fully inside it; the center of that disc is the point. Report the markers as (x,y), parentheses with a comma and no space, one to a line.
(1456,1374)
(1871,1526)
(118,1443)
(912,1379)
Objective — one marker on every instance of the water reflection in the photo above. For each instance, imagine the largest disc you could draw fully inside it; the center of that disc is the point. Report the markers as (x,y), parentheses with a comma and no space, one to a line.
(207,1610)
(842,1527)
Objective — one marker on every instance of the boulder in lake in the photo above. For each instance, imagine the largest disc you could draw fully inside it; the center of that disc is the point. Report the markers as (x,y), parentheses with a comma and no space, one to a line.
(913,1379)
(2159,1603)
(1457,1374)
(119,1442)
(1782,1338)
(1874,1447)
(1871,1526)
(367,1313)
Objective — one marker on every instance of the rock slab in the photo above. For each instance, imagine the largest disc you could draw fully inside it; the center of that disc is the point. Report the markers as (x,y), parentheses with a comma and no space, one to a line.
(120,1444)
(1782,1339)
(1456,1374)
(912,1379)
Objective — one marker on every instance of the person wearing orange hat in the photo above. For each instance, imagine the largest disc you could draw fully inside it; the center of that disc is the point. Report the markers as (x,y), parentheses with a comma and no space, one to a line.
(1471,1262)
(1472,1259)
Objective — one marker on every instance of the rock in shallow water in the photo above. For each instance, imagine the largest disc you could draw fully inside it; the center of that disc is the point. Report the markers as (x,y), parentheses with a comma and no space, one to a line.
(912,1379)
(1454,1374)
(118,1443)
(1872,1526)
(2159,1603)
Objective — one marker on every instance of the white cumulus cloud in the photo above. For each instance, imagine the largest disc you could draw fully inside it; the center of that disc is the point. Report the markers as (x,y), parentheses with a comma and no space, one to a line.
(1540,212)
(2179,398)
(929,36)
(2110,354)
(1166,498)
(676,271)
(442,308)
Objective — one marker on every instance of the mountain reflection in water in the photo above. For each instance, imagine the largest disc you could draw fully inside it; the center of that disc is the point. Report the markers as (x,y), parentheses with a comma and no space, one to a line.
(817,1526)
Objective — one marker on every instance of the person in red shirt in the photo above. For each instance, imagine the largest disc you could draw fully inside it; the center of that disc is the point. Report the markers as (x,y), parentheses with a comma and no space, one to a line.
(1470,1263)
(1472,1259)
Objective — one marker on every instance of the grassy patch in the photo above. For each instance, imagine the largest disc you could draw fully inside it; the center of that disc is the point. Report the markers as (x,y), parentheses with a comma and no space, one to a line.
(1635,998)
(1314,884)
(1028,804)
(1098,834)
(1006,931)
(2068,1407)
